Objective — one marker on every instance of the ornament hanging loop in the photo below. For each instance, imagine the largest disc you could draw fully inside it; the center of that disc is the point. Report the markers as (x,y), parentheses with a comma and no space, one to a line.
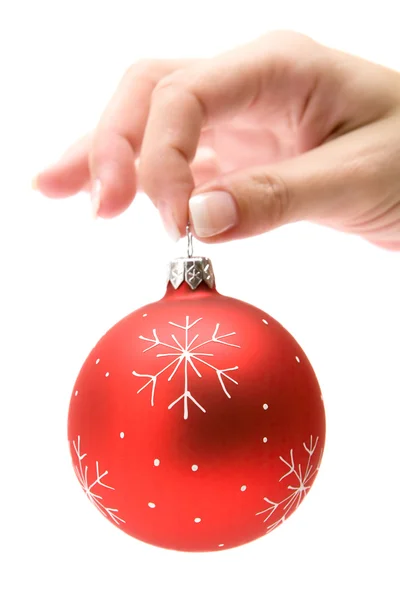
(189,241)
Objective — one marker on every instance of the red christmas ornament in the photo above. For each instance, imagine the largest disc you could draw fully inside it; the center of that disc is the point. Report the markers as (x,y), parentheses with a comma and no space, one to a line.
(196,423)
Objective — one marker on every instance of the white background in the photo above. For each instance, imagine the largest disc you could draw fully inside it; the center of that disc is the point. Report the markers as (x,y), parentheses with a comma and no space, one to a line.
(65,279)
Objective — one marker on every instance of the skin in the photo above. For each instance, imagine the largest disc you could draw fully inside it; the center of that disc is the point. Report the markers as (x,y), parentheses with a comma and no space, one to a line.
(293,130)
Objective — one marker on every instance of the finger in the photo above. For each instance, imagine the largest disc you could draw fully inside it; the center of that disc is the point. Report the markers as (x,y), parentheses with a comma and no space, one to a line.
(202,95)
(349,183)
(205,166)
(69,175)
(180,108)
(118,137)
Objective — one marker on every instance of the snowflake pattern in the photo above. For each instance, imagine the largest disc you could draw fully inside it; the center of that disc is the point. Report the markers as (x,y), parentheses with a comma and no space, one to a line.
(186,353)
(298,491)
(82,473)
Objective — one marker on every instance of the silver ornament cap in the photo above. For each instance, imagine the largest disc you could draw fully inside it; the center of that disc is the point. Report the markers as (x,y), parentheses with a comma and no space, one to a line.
(192,269)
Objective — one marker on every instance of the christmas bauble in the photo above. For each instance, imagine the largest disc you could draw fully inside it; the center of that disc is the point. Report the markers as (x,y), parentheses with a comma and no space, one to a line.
(197,422)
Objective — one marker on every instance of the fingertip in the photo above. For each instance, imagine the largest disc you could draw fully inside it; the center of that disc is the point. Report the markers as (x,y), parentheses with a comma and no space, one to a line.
(166,179)
(213,213)
(169,221)
(113,175)
(113,190)
(60,181)
(95,197)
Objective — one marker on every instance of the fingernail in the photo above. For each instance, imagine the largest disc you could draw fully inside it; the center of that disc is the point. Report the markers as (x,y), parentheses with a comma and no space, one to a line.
(95,197)
(213,213)
(168,221)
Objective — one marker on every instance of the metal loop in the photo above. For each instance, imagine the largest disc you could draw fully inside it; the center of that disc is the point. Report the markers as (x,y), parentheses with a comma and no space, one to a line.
(189,241)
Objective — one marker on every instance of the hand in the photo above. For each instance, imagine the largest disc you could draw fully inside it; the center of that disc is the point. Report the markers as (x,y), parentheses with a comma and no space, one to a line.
(281,130)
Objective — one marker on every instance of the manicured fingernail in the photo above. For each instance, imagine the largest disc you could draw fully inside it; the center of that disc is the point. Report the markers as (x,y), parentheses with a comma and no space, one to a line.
(213,213)
(168,221)
(95,197)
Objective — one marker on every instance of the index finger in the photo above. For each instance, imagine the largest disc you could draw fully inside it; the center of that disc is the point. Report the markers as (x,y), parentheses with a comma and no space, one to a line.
(181,105)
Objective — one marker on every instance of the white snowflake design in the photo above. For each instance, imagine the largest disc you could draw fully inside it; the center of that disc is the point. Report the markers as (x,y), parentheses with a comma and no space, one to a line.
(82,473)
(187,354)
(299,490)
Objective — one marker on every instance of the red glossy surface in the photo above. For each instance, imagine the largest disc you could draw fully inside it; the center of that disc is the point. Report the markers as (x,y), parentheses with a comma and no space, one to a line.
(231,432)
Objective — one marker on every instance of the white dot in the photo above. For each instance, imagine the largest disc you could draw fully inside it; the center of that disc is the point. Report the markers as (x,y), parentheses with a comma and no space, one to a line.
(243,488)
(197,520)
(151,505)
(195,467)
(156,462)
(265,440)
(97,361)
(265,406)
(221,545)
(76,393)
(297,358)
(145,314)
(107,374)
(122,435)
(265,321)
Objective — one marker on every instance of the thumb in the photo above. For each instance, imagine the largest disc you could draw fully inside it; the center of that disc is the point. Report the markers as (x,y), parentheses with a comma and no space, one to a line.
(331,185)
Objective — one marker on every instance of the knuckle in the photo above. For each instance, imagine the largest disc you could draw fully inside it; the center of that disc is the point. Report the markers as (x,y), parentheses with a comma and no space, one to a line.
(275,199)
(288,49)
(170,83)
(286,39)
(177,87)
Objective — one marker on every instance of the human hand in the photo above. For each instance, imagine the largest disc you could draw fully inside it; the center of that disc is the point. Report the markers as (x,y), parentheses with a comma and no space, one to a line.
(277,131)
